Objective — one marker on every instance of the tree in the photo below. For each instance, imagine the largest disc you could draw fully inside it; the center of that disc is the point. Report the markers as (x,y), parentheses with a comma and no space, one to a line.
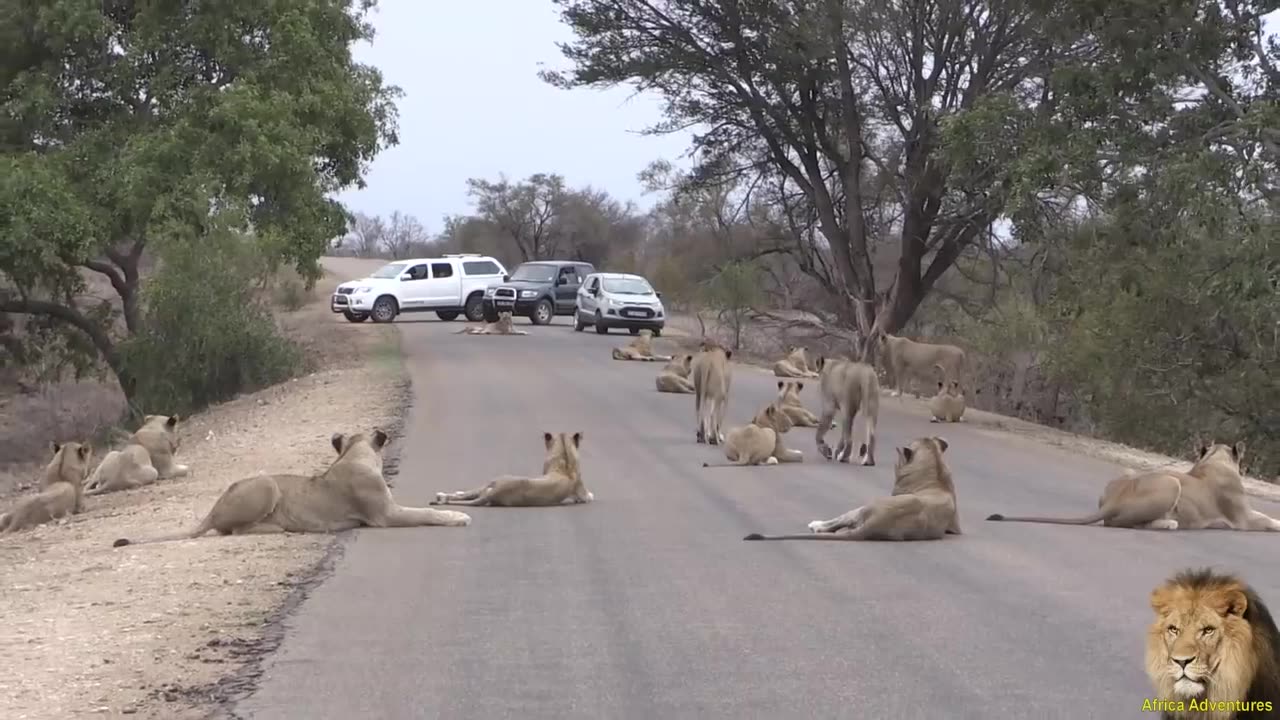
(405,236)
(367,235)
(910,124)
(525,211)
(733,293)
(129,124)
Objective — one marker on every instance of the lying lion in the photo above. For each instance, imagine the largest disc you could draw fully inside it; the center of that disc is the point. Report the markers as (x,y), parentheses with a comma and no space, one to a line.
(922,506)
(561,480)
(760,441)
(501,326)
(907,361)
(948,405)
(1210,495)
(640,348)
(674,377)
(349,494)
(61,489)
(789,402)
(146,457)
(794,365)
(1212,641)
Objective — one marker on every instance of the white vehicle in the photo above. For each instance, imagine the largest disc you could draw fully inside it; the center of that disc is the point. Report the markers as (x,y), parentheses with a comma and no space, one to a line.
(619,300)
(448,286)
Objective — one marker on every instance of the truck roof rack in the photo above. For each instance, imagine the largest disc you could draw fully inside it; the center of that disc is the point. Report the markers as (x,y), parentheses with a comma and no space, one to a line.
(462,254)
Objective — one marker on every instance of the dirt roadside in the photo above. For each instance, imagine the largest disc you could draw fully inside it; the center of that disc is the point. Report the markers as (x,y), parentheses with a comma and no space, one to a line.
(165,631)
(685,331)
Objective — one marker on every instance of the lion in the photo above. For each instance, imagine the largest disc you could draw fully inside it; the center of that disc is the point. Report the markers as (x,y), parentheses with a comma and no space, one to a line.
(501,326)
(712,377)
(1210,495)
(922,506)
(146,457)
(674,377)
(61,493)
(760,441)
(561,480)
(789,400)
(794,365)
(1213,650)
(948,405)
(847,386)
(350,493)
(640,348)
(907,360)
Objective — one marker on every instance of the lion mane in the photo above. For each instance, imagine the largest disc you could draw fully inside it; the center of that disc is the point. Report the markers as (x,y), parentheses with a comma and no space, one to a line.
(1212,649)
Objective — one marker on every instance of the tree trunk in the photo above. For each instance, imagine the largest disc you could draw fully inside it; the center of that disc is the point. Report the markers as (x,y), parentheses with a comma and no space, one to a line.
(97,335)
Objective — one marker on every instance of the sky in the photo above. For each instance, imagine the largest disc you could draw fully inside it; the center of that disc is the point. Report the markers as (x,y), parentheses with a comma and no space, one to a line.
(473,106)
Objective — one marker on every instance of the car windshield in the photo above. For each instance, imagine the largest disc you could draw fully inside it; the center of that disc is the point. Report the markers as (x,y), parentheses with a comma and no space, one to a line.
(535,273)
(389,271)
(627,286)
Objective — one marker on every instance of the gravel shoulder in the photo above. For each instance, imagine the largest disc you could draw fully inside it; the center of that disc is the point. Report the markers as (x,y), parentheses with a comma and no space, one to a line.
(165,631)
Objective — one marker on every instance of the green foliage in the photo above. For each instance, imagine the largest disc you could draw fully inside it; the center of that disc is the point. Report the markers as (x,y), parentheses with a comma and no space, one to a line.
(208,337)
(734,293)
(128,124)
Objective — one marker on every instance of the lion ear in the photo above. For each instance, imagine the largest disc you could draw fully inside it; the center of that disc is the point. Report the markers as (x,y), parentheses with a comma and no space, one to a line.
(819,363)
(799,386)
(780,384)
(55,446)
(1230,600)
(84,451)
(905,454)
(1203,449)
(769,411)
(577,439)
(1161,599)
(547,439)
(728,354)
(688,358)
(380,439)
(336,441)
(172,422)
(942,443)
(1237,451)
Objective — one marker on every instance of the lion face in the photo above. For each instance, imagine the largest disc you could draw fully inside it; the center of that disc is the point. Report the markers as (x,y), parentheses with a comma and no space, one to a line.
(74,456)
(1197,629)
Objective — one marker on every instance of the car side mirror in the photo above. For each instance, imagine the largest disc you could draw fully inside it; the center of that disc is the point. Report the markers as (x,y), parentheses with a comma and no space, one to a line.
(657,295)
(406,276)
(506,278)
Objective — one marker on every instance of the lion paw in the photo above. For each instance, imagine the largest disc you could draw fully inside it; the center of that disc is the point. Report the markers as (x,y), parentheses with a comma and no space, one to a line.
(1164,524)
(461,520)
(590,496)
(934,419)
(815,526)
(771,461)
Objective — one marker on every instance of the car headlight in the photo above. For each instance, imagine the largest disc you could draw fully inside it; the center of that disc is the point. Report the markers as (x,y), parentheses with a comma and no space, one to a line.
(489,292)
(526,294)
(363,290)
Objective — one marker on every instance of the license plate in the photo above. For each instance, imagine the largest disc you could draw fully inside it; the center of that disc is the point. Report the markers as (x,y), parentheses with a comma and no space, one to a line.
(504,303)
(632,313)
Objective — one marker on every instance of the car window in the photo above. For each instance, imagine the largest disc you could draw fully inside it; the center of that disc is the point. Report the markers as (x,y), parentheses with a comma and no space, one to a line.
(391,271)
(627,286)
(595,284)
(534,273)
(481,267)
(570,275)
(418,272)
(441,270)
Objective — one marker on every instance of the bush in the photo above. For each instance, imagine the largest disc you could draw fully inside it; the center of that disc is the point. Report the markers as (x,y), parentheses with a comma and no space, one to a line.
(206,336)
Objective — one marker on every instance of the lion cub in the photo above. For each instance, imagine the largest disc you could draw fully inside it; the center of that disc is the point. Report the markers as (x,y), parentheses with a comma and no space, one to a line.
(502,326)
(640,348)
(948,405)
(794,365)
(789,402)
(922,506)
(561,480)
(146,457)
(62,488)
(674,377)
(760,441)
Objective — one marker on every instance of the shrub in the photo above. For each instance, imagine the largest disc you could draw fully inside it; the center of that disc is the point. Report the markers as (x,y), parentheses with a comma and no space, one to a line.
(206,336)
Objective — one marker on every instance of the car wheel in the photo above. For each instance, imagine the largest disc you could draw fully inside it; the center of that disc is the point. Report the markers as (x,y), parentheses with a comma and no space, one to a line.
(447,315)
(542,313)
(354,317)
(578,325)
(601,328)
(384,309)
(474,308)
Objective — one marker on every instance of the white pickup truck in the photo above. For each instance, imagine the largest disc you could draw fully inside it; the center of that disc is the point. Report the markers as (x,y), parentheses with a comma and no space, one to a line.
(449,286)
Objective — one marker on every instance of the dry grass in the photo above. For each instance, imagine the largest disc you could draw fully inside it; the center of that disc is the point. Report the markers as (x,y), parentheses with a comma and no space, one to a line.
(156,631)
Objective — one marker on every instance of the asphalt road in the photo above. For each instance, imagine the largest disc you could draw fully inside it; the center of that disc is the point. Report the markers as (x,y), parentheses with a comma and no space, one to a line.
(647,604)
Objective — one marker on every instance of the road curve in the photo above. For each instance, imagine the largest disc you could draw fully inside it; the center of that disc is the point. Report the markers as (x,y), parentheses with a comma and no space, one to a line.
(647,603)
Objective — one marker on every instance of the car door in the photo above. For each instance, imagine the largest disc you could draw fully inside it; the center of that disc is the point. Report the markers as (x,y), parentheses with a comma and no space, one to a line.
(566,291)
(587,301)
(445,285)
(415,289)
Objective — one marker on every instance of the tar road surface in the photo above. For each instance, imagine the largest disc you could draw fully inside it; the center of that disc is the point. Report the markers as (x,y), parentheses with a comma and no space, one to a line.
(647,603)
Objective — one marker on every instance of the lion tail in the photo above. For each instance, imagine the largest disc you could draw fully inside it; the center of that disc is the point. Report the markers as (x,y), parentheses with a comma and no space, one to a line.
(1088,520)
(205,526)
(805,536)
